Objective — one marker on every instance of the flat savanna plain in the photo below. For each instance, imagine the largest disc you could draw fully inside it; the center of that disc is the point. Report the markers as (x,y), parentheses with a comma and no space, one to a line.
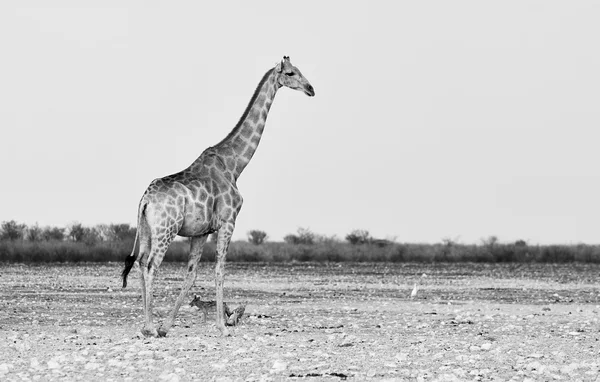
(313,321)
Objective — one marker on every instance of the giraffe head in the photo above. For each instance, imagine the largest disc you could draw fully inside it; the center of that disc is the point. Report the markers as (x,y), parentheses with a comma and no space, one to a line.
(288,75)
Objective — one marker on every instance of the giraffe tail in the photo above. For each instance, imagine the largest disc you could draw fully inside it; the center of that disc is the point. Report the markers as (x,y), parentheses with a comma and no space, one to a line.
(130,260)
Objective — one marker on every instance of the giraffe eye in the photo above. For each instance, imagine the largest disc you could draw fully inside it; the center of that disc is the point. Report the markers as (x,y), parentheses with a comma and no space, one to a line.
(289,74)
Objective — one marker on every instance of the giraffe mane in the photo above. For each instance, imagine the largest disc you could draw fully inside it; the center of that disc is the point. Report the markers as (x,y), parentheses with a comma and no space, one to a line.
(249,107)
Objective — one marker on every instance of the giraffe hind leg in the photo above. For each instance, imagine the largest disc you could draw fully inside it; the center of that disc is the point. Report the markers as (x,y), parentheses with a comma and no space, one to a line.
(148,329)
(148,265)
(145,241)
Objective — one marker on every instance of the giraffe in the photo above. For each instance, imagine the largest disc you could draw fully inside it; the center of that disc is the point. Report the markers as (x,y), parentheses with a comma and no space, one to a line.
(203,199)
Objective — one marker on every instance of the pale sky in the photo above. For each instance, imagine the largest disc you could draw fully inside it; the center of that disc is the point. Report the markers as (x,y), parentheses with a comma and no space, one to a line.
(431,120)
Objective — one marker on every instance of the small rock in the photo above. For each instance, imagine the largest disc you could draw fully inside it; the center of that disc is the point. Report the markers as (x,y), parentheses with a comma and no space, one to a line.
(145,353)
(486,346)
(535,365)
(169,377)
(34,363)
(401,357)
(278,366)
(568,369)
(53,364)
(474,348)
(5,368)
(92,366)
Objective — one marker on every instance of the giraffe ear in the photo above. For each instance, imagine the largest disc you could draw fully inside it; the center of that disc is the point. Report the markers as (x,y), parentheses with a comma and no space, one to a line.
(283,64)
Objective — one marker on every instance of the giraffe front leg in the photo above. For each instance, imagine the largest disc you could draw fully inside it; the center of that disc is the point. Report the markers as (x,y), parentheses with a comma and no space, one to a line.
(192,270)
(225,233)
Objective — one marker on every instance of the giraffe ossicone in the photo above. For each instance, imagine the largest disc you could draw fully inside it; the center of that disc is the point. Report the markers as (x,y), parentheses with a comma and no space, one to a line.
(203,199)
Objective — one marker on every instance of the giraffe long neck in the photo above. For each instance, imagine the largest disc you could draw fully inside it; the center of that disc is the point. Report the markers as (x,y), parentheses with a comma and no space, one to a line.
(240,144)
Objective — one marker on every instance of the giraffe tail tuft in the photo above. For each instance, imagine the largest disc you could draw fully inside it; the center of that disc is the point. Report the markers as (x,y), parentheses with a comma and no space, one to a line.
(130,259)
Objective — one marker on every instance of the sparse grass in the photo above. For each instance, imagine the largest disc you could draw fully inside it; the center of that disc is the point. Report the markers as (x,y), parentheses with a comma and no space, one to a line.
(329,251)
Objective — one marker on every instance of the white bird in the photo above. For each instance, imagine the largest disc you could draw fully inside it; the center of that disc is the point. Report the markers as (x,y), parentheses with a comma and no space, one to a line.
(413,294)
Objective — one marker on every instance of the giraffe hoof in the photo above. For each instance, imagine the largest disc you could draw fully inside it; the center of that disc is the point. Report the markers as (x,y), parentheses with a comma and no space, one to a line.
(150,333)
(162,332)
(225,332)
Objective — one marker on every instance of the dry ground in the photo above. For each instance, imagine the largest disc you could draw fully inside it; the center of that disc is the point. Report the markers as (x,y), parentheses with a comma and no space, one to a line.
(312,321)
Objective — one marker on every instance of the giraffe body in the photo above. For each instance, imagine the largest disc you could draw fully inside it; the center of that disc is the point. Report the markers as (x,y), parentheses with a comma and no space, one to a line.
(203,199)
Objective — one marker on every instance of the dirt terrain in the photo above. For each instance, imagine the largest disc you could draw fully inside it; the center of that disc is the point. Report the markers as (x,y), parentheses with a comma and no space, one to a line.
(307,322)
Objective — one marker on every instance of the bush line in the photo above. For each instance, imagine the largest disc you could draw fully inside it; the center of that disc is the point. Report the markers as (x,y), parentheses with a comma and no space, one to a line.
(242,251)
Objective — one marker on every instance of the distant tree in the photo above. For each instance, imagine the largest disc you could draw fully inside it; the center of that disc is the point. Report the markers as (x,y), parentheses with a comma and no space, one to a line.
(306,236)
(11,230)
(291,239)
(53,233)
(380,242)
(257,237)
(448,242)
(520,243)
(33,233)
(448,248)
(358,236)
(324,239)
(76,232)
(91,235)
(121,232)
(490,241)
(303,236)
(104,232)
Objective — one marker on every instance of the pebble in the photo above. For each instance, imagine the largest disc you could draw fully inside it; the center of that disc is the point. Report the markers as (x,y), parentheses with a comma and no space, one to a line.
(115,363)
(278,366)
(402,357)
(34,363)
(169,377)
(5,368)
(92,366)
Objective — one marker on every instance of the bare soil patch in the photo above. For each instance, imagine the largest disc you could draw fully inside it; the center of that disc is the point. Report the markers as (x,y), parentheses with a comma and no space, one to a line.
(307,321)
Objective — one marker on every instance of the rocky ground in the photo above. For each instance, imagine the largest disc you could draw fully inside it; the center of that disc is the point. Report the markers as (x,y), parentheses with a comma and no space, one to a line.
(308,321)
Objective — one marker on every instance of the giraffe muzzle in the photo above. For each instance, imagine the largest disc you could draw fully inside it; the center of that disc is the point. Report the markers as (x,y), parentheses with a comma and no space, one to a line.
(309,90)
